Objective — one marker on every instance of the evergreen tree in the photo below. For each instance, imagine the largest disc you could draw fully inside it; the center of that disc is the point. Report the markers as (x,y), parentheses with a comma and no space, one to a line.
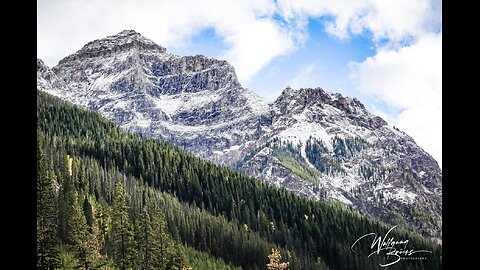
(88,212)
(176,258)
(47,253)
(67,261)
(82,239)
(103,221)
(161,240)
(147,255)
(122,231)
(92,246)
(76,223)
(63,208)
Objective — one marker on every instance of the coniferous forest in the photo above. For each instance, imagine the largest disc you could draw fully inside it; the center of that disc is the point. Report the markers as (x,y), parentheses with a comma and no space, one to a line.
(108,199)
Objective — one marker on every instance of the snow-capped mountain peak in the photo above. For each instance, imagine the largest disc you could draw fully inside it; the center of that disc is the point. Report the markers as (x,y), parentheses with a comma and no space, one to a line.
(310,141)
(125,40)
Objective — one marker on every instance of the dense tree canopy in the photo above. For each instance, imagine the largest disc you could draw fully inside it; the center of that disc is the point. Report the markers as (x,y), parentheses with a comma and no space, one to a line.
(143,203)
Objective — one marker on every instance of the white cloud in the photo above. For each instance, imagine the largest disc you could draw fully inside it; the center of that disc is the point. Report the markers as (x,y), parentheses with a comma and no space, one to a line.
(254,44)
(393,20)
(303,78)
(409,79)
(251,37)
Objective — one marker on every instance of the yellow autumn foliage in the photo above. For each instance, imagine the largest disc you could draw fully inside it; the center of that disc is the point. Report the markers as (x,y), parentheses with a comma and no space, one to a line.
(275,261)
(69,165)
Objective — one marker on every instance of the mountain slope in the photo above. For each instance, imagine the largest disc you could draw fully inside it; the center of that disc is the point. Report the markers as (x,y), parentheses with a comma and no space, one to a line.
(193,101)
(315,143)
(342,151)
(207,206)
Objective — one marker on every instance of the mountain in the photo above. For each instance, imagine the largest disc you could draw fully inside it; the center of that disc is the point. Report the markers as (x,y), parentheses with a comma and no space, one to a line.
(193,101)
(318,144)
(103,177)
(324,145)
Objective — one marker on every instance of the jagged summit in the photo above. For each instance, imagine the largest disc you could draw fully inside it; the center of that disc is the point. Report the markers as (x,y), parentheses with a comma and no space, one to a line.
(41,65)
(194,101)
(123,38)
(129,62)
(299,99)
(123,41)
(48,81)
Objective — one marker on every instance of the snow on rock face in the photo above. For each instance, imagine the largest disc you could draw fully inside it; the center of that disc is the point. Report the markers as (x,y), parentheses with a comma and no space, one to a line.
(312,142)
(122,41)
(47,80)
(356,157)
(193,101)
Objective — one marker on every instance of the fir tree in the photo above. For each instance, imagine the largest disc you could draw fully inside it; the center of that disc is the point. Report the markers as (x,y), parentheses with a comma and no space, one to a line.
(122,230)
(103,221)
(82,239)
(88,212)
(147,255)
(76,222)
(47,253)
(161,240)
(176,258)
(92,246)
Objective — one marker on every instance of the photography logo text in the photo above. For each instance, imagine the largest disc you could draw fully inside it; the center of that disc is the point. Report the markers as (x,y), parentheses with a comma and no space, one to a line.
(395,250)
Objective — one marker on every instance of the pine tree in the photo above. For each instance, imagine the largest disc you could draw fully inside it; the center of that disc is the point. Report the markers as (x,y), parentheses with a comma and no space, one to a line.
(122,231)
(76,222)
(81,238)
(88,212)
(63,207)
(103,221)
(47,253)
(67,261)
(161,240)
(176,258)
(92,246)
(87,245)
(147,255)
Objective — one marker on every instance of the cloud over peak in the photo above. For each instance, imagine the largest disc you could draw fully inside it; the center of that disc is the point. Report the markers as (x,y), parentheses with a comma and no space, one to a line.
(409,79)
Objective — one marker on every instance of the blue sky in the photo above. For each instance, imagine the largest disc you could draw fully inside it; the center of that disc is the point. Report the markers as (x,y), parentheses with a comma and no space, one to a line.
(386,53)
(322,61)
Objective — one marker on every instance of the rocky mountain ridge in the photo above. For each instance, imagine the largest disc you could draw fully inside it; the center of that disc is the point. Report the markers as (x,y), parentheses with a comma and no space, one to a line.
(310,141)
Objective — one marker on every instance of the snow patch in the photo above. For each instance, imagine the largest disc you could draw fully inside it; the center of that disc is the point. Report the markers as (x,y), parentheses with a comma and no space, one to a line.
(171,104)
(300,132)
(257,103)
(398,194)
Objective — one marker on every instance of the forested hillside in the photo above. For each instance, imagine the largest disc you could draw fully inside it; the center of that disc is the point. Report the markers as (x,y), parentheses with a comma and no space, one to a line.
(107,199)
